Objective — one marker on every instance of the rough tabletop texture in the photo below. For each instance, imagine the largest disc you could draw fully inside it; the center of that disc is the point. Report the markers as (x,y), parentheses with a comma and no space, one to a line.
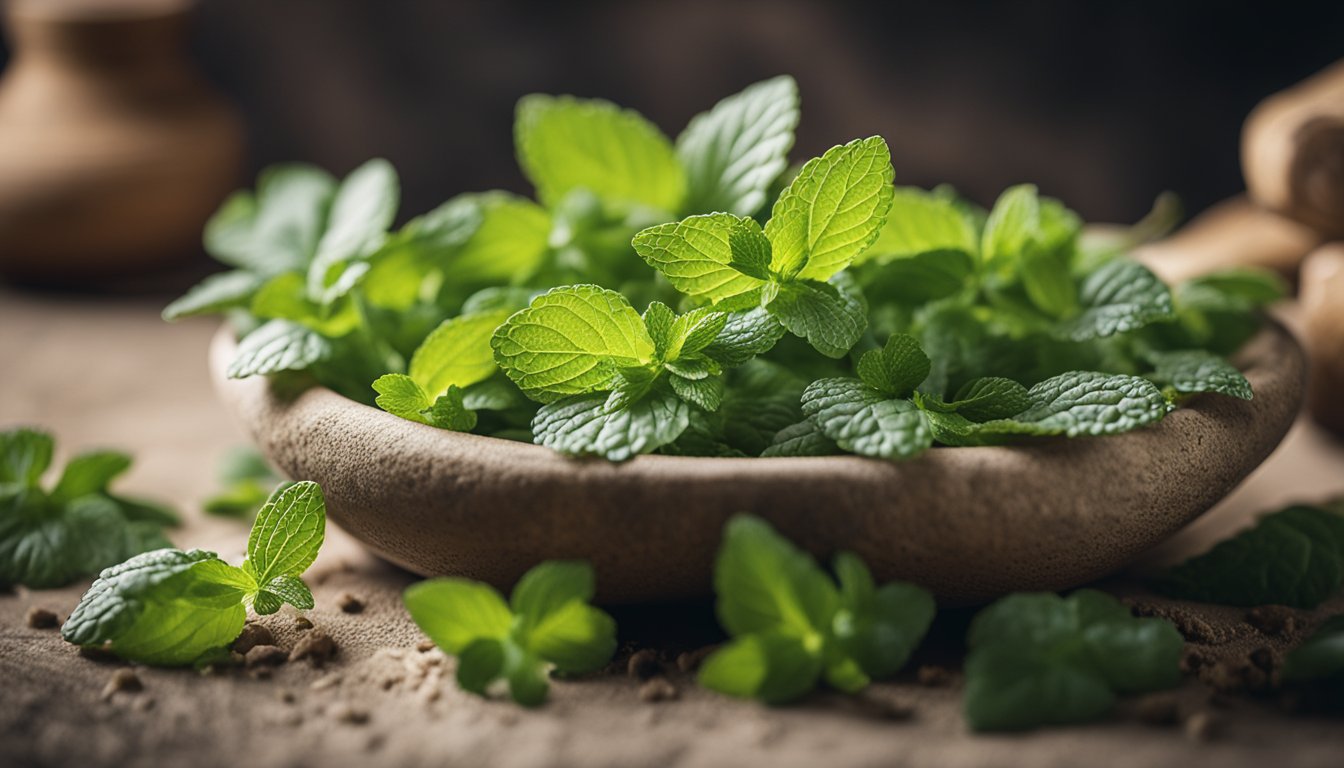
(109,373)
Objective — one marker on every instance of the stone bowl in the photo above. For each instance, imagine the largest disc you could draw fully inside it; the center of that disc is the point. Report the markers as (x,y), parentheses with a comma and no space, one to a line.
(970,524)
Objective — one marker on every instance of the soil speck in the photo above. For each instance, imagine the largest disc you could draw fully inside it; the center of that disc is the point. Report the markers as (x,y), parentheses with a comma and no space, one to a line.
(343,712)
(690,660)
(658,689)
(643,665)
(316,646)
(350,603)
(98,653)
(1192,627)
(1273,620)
(124,680)
(253,635)
(41,618)
(302,623)
(264,656)
(934,676)
(425,646)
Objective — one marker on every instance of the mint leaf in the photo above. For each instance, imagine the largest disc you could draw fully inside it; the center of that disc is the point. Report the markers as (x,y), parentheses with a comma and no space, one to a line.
(362,210)
(1121,296)
(287,533)
(706,393)
(226,290)
(399,395)
(547,624)
(583,425)
(166,607)
(832,320)
(744,336)
(570,341)
(921,223)
(1039,659)
(458,352)
(1292,557)
(991,398)
(801,439)
(508,246)
(89,473)
(734,151)
(291,213)
(916,279)
(897,368)
(278,345)
(1012,225)
(450,411)
(792,627)
(1317,665)
(716,256)
(24,455)
(565,144)
(1085,403)
(865,421)
(1194,370)
(832,211)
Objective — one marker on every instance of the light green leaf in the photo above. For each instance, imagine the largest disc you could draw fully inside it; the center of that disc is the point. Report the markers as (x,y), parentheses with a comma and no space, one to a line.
(1086,403)
(1193,370)
(216,293)
(763,583)
(773,666)
(283,297)
(278,345)
(917,279)
(457,353)
(89,473)
(1013,225)
(734,151)
(921,223)
(288,532)
(361,213)
(863,420)
(832,320)
(292,206)
(566,143)
(455,613)
(1120,296)
(228,233)
(570,341)
(450,412)
(897,368)
(744,336)
(480,664)
(832,211)
(576,638)
(508,246)
(288,589)
(583,425)
(878,628)
(697,255)
(399,395)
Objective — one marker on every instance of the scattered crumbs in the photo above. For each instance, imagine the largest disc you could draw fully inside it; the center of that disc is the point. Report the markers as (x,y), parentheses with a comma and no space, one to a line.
(1193,659)
(143,704)
(326,682)
(98,653)
(315,646)
(41,618)
(1191,627)
(264,656)
(658,689)
(425,646)
(1264,659)
(643,664)
(260,673)
(123,680)
(285,696)
(344,712)
(690,661)
(1160,709)
(253,635)
(1202,726)
(1252,673)
(1273,620)
(302,623)
(349,603)
(934,676)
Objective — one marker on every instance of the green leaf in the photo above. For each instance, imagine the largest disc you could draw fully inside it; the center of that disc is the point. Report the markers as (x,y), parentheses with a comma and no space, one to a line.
(734,151)
(706,393)
(288,532)
(1011,690)
(278,345)
(1193,370)
(44,544)
(991,398)
(764,582)
(565,143)
(921,223)
(292,206)
(576,638)
(878,628)
(1317,665)
(897,368)
(166,607)
(361,213)
(455,613)
(228,233)
(550,586)
(865,421)
(1045,276)
(89,473)
(801,439)
(1085,403)
(457,353)
(583,425)
(571,341)
(917,279)
(450,411)
(773,666)
(288,589)
(1120,296)
(832,211)
(744,336)
(399,395)
(832,320)
(508,246)
(24,455)
(480,664)
(1293,557)
(216,293)
(715,257)
(283,297)
(1013,224)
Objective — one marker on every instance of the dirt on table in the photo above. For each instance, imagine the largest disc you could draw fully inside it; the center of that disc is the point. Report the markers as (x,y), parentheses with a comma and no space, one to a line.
(361,688)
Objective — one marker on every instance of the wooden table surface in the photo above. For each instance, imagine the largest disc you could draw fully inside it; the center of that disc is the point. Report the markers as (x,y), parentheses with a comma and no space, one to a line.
(107,372)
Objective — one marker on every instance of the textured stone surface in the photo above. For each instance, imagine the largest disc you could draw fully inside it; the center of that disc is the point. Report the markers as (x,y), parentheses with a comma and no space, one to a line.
(969,523)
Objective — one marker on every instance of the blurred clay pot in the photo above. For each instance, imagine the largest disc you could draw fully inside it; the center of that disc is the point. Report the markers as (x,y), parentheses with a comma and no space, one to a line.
(113,151)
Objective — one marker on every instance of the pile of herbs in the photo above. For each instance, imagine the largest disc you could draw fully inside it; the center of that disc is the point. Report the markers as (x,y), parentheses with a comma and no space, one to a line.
(701,297)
